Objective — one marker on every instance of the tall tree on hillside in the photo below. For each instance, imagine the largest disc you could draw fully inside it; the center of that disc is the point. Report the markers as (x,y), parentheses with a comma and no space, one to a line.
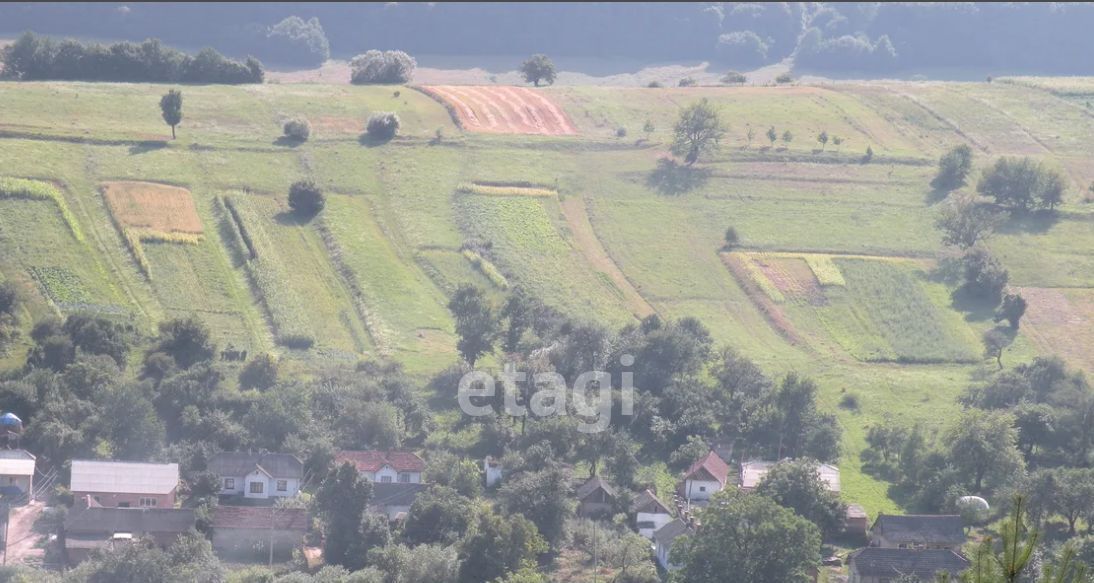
(798,486)
(953,168)
(965,221)
(984,447)
(538,68)
(772,136)
(698,131)
(823,139)
(1012,309)
(341,500)
(750,539)
(171,109)
(476,324)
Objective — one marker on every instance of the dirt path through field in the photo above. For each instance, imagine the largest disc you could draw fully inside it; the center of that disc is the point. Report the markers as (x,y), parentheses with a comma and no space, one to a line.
(577,218)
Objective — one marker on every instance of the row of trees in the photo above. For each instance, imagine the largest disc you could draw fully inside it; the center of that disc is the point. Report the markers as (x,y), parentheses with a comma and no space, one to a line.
(33,57)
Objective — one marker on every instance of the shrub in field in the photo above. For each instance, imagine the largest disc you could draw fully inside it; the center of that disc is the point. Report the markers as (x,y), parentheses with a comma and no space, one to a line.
(382,67)
(297,128)
(734,78)
(985,277)
(538,68)
(654,85)
(383,126)
(850,401)
(306,199)
(731,239)
(621,132)
(784,78)
(260,373)
(687,82)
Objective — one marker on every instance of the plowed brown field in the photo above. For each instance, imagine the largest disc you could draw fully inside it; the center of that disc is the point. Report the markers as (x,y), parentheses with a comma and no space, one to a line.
(503,109)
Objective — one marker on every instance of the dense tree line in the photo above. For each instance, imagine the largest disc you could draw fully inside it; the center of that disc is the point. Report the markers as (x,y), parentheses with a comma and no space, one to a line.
(34,57)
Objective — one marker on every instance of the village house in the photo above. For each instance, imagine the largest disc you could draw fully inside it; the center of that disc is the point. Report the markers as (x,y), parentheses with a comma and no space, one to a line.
(705,477)
(855,521)
(394,499)
(125,484)
(382,467)
(753,472)
(89,527)
(257,476)
(246,532)
(665,537)
(650,514)
(595,498)
(16,473)
(918,531)
(878,565)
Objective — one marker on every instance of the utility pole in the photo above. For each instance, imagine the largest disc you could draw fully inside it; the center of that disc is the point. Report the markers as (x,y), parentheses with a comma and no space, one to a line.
(7,520)
(273,511)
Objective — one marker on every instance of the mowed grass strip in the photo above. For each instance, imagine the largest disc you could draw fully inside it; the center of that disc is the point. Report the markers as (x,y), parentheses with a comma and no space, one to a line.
(892,301)
(532,252)
(268,273)
(20,188)
(405,311)
(505,190)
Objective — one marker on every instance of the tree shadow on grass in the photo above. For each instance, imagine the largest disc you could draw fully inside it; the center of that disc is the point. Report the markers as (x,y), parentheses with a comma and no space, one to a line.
(287,142)
(291,219)
(370,141)
(146,146)
(672,179)
(976,308)
(1033,222)
(936,195)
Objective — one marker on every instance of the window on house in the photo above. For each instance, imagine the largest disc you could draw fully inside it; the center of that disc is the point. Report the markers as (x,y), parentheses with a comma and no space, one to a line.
(282,485)
(385,479)
(257,487)
(702,488)
(148,503)
(404,477)
(123,505)
(229,483)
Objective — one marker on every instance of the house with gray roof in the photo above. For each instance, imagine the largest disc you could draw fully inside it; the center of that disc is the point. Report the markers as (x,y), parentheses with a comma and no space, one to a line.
(125,484)
(88,527)
(595,498)
(257,477)
(918,531)
(665,538)
(878,565)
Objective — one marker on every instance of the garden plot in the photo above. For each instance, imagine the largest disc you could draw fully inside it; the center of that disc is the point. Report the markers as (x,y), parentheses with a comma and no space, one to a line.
(151,212)
(503,109)
(1061,321)
(875,309)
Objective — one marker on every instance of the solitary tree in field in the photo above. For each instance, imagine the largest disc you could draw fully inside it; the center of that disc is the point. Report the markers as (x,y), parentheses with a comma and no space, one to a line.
(305,198)
(787,138)
(171,108)
(476,324)
(699,130)
(823,139)
(648,128)
(538,68)
(1012,309)
(953,168)
(731,239)
(751,134)
(772,136)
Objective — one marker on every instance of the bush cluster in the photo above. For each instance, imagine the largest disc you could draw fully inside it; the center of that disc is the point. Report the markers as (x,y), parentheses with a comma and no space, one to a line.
(383,125)
(382,67)
(298,128)
(34,57)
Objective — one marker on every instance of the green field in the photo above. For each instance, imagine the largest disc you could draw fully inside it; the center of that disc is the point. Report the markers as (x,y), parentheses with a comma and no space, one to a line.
(371,275)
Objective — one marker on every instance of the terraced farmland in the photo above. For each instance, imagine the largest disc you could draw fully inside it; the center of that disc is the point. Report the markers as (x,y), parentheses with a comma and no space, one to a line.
(835,276)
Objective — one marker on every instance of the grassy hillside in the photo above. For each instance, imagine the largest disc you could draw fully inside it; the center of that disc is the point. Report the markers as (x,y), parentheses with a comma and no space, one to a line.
(837,276)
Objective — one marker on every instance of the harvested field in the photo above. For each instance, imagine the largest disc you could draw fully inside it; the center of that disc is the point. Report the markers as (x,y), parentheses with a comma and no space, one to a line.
(1061,321)
(503,110)
(148,206)
(759,289)
(489,189)
(792,276)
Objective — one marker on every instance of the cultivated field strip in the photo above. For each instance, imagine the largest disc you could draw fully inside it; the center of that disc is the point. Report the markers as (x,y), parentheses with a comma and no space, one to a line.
(503,110)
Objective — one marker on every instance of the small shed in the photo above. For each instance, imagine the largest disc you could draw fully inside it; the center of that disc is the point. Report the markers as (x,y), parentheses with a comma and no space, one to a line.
(595,498)
(16,473)
(855,522)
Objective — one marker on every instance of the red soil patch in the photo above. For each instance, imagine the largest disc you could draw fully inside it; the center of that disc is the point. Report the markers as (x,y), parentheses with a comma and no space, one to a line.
(1061,322)
(153,207)
(502,109)
(793,278)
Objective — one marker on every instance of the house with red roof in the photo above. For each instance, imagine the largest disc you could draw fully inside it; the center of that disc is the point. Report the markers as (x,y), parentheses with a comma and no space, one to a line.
(705,477)
(385,467)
